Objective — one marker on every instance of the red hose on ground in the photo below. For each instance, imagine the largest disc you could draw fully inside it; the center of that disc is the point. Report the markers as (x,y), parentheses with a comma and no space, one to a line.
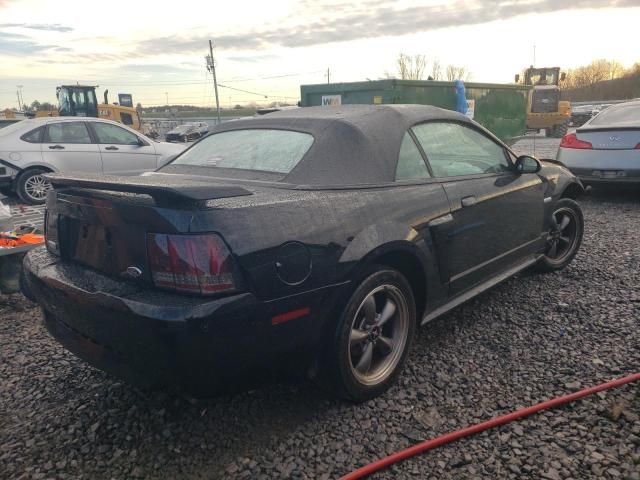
(480,427)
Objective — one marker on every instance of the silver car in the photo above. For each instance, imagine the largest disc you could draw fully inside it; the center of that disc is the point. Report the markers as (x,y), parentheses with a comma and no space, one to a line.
(606,149)
(31,148)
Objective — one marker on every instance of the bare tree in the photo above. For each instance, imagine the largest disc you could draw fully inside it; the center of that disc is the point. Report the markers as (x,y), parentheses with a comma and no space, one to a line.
(597,71)
(411,67)
(436,70)
(633,70)
(457,73)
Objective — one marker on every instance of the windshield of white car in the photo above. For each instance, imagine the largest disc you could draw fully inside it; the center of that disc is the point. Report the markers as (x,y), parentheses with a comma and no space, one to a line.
(14,127)
(277,151)
(623,115)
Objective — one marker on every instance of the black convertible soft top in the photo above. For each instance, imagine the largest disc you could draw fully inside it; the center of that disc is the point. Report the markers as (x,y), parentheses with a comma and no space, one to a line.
(354,144)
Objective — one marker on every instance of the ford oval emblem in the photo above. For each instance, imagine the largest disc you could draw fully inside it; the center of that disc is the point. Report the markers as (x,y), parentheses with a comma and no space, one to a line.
(133,272)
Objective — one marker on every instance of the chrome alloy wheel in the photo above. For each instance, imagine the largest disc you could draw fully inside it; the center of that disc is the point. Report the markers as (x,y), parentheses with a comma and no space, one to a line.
(562,237)
(379,332)
(37,187)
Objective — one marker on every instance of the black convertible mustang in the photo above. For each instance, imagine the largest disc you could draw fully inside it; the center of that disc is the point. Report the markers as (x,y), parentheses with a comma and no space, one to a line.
(315,238)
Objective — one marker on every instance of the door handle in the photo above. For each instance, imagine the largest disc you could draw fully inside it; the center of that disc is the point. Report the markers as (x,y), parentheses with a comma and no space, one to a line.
(56,147)
(468,201)
(111,148)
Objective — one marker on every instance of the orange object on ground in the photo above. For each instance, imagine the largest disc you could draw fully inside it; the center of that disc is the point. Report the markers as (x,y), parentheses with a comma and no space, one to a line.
(19,239)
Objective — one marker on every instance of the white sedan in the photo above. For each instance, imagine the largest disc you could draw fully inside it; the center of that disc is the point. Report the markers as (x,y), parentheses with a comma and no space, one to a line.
(31,148)
(606,149)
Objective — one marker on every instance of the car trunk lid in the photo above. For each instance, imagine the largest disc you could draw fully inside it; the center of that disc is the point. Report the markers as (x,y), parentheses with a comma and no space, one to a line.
(610,138)
(103,222)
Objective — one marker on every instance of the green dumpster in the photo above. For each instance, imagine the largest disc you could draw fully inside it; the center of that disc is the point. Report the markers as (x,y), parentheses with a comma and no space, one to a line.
(500,108)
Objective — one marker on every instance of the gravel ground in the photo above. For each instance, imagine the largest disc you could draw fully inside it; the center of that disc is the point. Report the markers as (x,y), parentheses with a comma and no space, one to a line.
(532,338)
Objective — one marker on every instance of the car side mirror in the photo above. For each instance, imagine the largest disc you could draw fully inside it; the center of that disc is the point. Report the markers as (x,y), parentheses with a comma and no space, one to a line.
(142,143)
(517,78)
(527,164)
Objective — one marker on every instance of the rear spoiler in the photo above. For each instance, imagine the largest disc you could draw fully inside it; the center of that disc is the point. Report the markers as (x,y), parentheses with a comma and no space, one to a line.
(158,187)
(605,128)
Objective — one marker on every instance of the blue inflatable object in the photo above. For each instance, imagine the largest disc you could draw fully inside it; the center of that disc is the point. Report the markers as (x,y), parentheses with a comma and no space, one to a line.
(461,99)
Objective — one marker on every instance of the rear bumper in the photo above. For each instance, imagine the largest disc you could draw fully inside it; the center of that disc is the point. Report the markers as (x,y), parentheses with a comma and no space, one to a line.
(590,180)
(151,339)
(587,176)
(602,166)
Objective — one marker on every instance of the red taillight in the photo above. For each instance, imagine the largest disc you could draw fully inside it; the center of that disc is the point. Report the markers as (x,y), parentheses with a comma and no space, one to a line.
(638,146)
(571,141)
(199,264)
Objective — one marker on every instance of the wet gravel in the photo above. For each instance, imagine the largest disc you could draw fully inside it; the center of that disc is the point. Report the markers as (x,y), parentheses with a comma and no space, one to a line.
(532,338)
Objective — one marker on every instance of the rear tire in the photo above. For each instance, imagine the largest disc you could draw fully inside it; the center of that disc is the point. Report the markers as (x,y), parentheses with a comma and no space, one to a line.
(32,187)
(565,236)
(372,337)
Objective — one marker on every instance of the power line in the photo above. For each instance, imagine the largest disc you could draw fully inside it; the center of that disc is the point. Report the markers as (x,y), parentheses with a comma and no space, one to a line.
(253,93)
(244,91)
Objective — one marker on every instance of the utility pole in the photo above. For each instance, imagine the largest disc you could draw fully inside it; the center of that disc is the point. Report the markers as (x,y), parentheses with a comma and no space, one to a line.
(20,99)
(328,76)
(166,96)
(211,66)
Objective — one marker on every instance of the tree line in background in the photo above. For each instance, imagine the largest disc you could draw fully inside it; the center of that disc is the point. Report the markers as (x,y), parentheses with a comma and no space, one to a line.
(36,106)
(414,67)
(602,79)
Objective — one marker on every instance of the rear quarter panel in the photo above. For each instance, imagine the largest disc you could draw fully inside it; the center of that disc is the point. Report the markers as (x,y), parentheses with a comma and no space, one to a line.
(20,153)
(340,229)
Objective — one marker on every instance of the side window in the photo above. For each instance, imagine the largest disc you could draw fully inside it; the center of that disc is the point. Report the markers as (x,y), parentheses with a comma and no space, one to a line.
(410,161)
(107,133)
(34,136)
(126,118)
(67,132)
(453,149)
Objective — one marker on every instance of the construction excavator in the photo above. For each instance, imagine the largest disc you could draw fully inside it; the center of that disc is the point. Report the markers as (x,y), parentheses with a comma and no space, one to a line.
(81,101)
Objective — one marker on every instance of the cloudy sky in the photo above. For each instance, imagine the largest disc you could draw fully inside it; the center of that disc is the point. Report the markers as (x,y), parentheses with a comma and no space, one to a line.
(155,50)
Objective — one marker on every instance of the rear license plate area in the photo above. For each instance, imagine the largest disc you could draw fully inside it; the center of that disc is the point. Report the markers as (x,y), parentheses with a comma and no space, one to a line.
(88,244)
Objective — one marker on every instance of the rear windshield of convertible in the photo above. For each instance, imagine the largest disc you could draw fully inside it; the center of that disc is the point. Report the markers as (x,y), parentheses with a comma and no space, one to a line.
(277,151)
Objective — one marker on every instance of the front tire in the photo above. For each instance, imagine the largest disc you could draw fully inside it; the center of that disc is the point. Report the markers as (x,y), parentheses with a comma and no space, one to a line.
(373,336)
(32,187)
(564,237)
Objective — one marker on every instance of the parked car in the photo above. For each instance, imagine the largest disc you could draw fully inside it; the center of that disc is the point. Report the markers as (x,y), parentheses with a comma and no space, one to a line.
(316,239)
(187,132)
(581,114)
(606,149)
(31,148)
